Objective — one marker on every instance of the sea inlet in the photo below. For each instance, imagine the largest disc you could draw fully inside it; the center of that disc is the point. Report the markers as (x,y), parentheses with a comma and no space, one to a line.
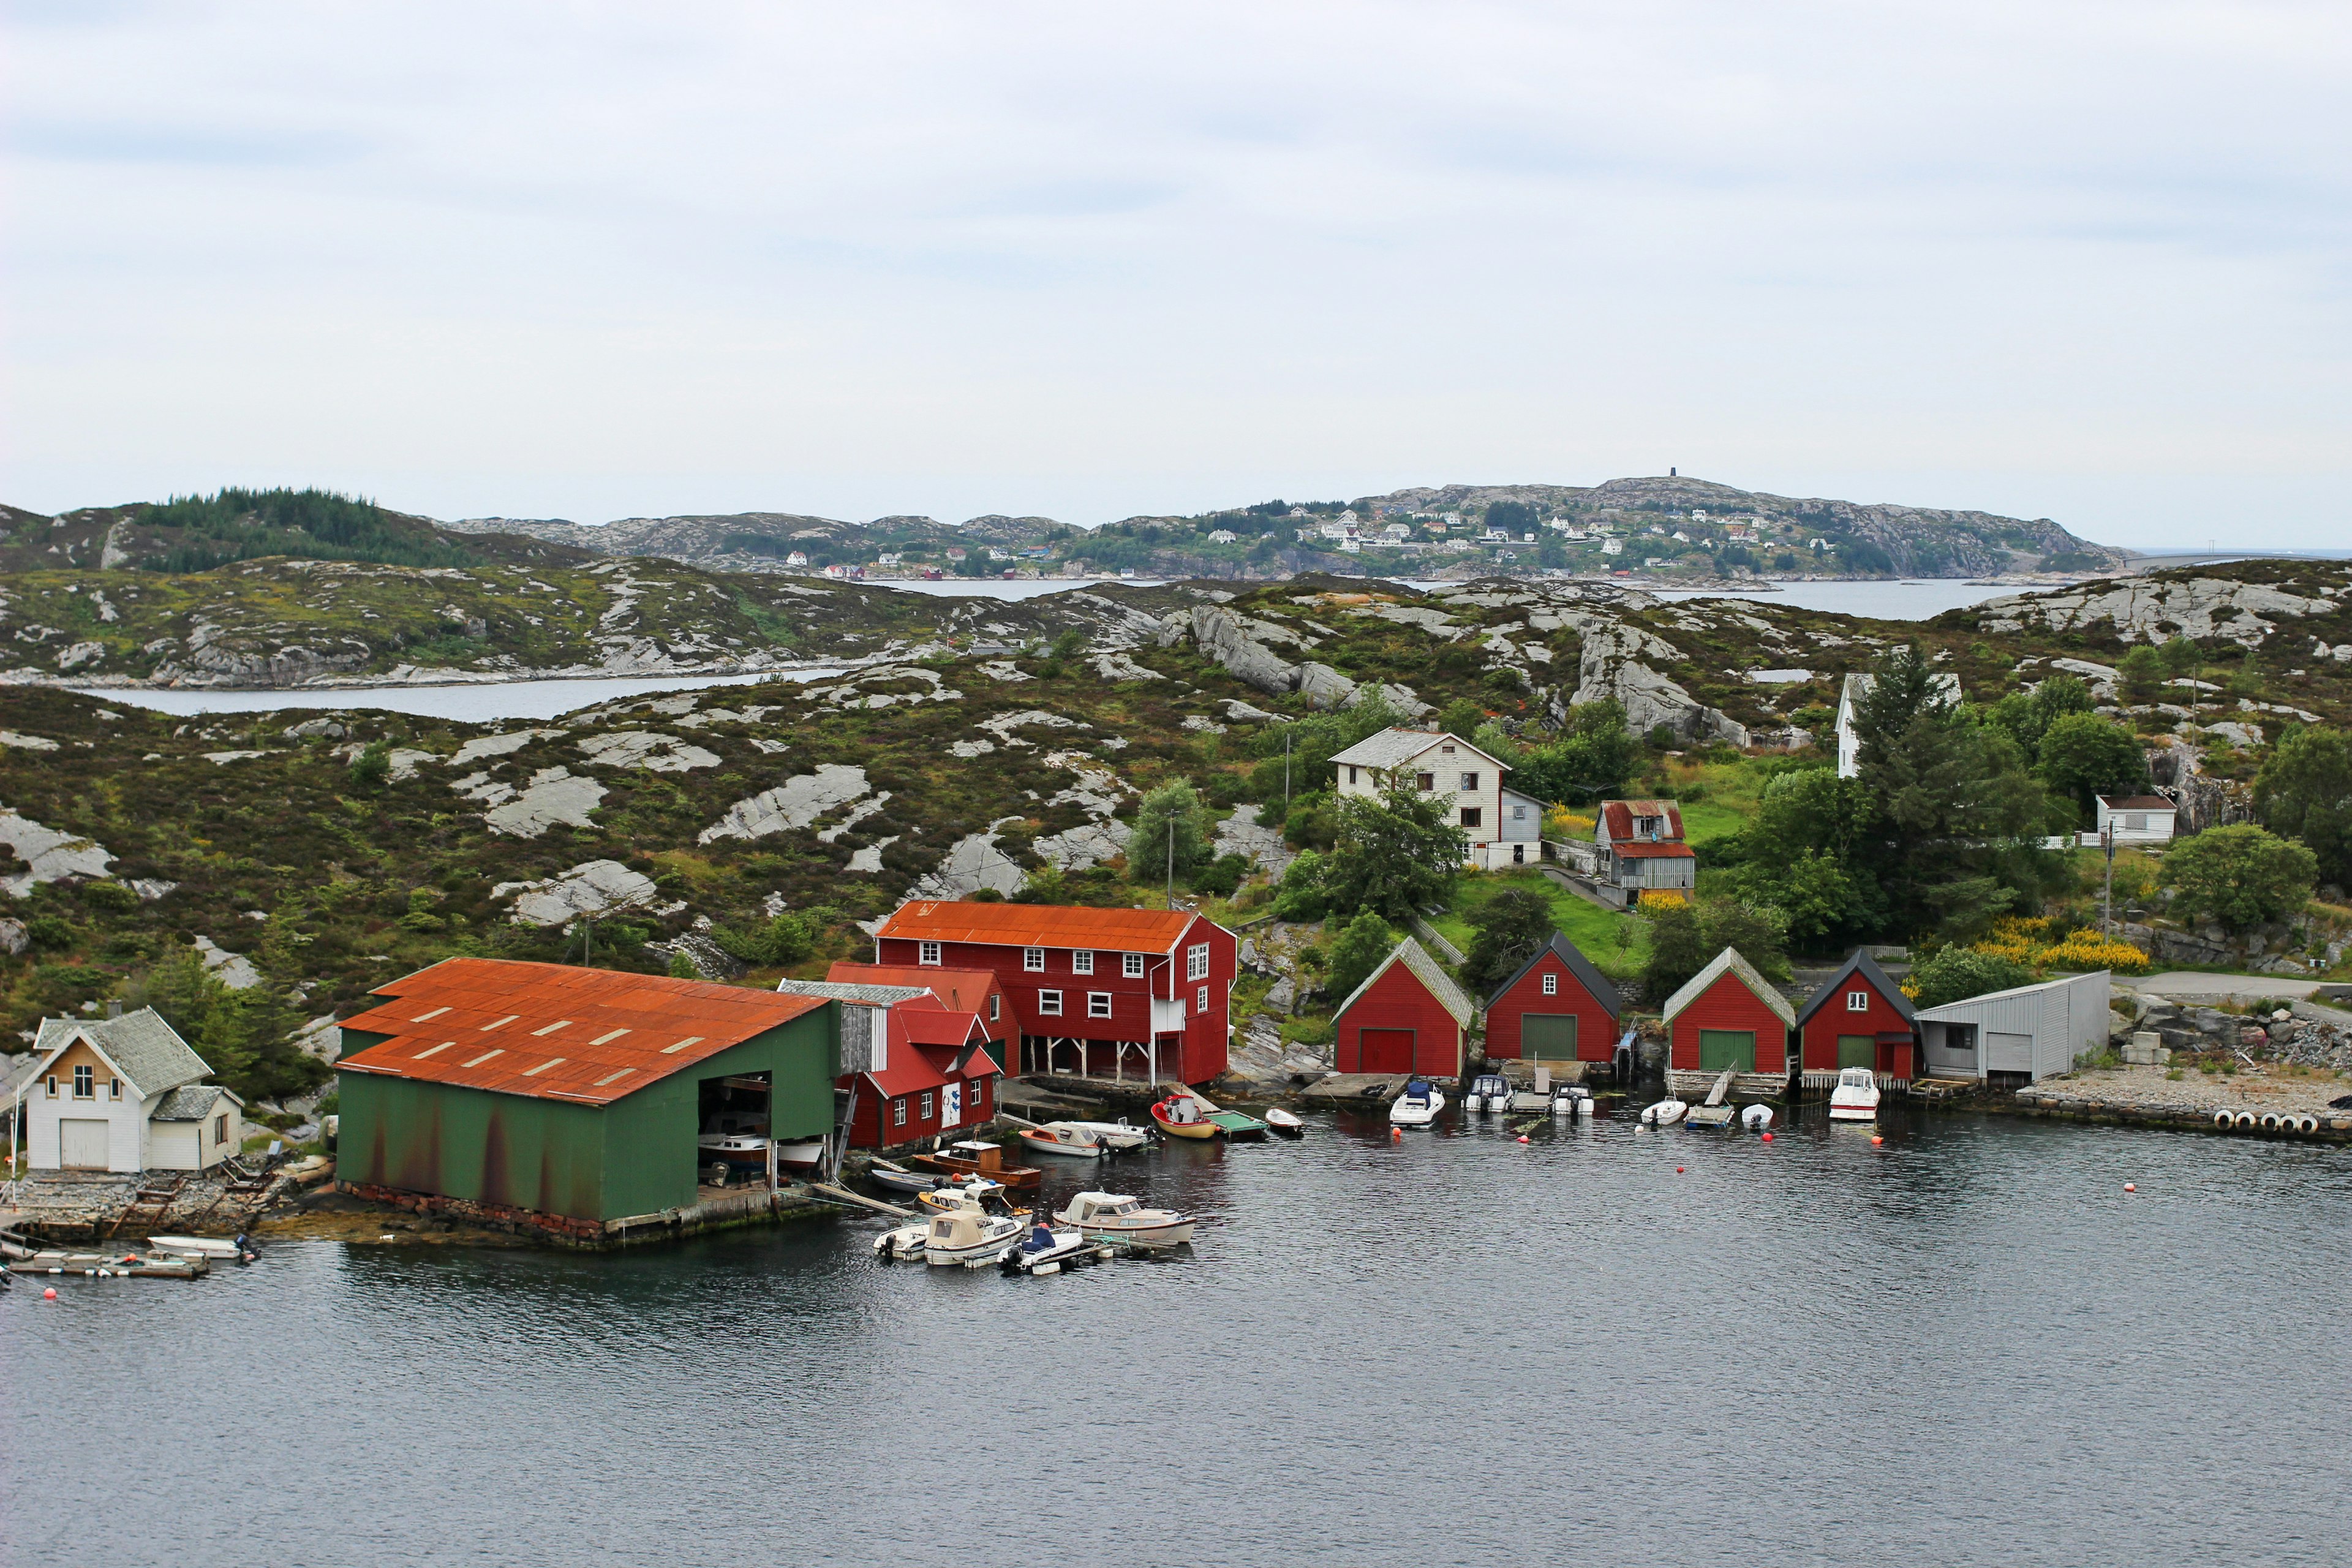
(1970,1344)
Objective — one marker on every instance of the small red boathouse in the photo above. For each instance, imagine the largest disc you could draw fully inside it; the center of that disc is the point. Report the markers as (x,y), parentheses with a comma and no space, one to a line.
(1408,1016)
(1859,1018)
(1728,1017)
(1558,1007)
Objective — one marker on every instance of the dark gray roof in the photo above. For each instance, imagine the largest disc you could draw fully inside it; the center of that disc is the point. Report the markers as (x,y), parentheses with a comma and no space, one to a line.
(852,991)
(1588,974)
(144,1049)
(190,1103)
(1861,964)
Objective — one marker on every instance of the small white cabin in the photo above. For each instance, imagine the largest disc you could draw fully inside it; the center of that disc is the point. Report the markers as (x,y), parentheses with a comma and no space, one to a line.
(2137,818)
(2032,1032)
(125,1094)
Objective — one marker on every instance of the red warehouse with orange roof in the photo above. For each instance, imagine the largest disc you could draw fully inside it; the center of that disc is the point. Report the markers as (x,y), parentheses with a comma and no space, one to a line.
(1104,992)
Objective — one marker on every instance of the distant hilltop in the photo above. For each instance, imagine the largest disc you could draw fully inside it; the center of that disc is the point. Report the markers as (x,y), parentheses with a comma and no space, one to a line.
(1670,528)
(1664,532)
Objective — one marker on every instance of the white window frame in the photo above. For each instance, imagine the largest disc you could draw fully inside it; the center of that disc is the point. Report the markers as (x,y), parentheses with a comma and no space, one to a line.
(1033,959)
(1132,965)
(1201,1002)
(1082,960)
(1551,985)
(1469,784)
(1857,1001)
(931,1104)
(1196,961)
(927,953)
(1049,1004)
(993,999)
(1097,1004)
(898,1110)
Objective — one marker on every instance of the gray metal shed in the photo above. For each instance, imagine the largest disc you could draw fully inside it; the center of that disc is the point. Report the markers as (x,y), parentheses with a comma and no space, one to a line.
(2034,1031)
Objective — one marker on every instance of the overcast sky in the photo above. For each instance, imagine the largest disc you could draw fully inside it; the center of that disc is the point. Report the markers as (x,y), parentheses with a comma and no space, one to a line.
(2087,261)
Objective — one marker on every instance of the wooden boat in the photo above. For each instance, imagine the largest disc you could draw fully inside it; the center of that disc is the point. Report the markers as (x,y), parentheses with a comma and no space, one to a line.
(800,1159)
(1284,1122)
(1418,1106)
(742,1152)
(972,1157)
(1181,1116)
(1114,1217)
(971,1235)
(1118,1137)
(1856,1098)
(1061,1139)
(1664,1113)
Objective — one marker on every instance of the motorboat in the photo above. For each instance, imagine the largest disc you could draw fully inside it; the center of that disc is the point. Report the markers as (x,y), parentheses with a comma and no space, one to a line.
(971,1235)
(1418,1106)
(1118,1137)
(1284,1122)
(802,1157)
(1856,1098)
(1664,1113)
(1755,1118)
(903,1245)
(743,1152)
(1046,1251)
(955,1192)
(899,1179)
(1488,1091)
(974,1157)
(1064,1141)
(229,1248)
(1183,1116)
(1571,1100)
(1114,1217)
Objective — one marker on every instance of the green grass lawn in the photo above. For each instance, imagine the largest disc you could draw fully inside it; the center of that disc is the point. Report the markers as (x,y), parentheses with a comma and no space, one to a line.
(1594,929)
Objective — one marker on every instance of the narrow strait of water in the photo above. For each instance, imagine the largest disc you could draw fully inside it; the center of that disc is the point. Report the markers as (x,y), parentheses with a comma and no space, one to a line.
(1971,1346)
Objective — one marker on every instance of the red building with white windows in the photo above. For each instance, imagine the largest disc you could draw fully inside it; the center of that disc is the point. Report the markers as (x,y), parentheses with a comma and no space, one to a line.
(973,991)
(1104,992)
(1859,1018)
(915,1068)
(1558,1007)
(1407,1016)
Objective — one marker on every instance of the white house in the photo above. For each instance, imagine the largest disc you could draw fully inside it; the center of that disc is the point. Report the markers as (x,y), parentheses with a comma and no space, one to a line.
(1850,696)
(1503,827)
(2135,818)
(799,558)
(125,1094)
(1224,536)
(1612,547)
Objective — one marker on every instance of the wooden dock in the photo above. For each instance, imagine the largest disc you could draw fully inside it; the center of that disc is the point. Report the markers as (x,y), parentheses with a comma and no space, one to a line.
(1685,1083)
(110,1265)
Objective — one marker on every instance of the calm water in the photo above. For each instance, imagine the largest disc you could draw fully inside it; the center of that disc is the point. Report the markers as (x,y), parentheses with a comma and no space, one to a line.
(1968,1347)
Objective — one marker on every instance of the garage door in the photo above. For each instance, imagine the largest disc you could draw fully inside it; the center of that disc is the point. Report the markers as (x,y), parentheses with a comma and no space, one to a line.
(1385,1050)
(1550,1036)
(2008,1053)
(81,1145)
(1858,1051)
(1721,1048)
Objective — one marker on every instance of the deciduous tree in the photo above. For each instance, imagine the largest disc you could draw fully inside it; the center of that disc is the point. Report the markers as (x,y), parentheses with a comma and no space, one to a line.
(2241,876)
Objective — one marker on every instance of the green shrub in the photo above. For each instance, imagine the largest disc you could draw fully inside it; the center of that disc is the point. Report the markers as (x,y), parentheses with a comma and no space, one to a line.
(1957,973)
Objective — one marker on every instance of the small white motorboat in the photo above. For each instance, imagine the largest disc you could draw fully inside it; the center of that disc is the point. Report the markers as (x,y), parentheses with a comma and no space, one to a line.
(1065,1139)
(1571,1100)
(1114,1217)
(971,1235)
(902,1245)
(1046,1250)
(745,1153)
(800,1158)
(236,1247)
(1418,1106)
(1856,1098)
(1755,1118)
(1118,1137)
(1666,1114)
(1285,1123)
(978,1192)
(899,1179)
(1489,1092)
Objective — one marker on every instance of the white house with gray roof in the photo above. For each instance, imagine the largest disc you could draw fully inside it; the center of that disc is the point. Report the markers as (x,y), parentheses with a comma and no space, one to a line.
(124,1094)
(1503,827)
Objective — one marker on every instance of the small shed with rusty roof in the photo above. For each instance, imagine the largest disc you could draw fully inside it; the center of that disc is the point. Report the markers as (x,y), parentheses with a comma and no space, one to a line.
(1642,848)
(1858,1018)
(569,1097)
(1408,1016)
(1559,1007)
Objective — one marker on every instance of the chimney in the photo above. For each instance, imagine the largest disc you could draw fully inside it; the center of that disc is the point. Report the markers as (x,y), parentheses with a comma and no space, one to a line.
(114,1008)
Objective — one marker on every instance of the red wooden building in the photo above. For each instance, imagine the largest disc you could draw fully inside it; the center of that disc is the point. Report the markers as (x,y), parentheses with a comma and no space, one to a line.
(1727,1016)
(1859,1018)
(1105,993)
(1558,1007)
(1407,1016)
(973,991)
(931,1085)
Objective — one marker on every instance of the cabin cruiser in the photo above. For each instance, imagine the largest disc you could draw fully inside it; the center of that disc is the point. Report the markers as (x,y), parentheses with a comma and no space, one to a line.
(956,1191)
(1114,1217)
(970,1235)
(742,1152)
(1856,1098)
(1488,1091)
(1571,1100)
(1664,1113)
(1418,1106)
(1046,1250)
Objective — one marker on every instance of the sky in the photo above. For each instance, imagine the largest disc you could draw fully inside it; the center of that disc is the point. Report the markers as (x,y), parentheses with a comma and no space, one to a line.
(2088,261)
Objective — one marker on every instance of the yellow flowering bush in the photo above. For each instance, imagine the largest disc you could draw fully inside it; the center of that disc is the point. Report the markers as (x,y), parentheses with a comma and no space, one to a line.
(1655,898)
(1562,823)
(2034,942)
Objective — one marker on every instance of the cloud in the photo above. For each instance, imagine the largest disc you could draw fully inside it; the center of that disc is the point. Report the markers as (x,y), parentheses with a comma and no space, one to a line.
(1090,261)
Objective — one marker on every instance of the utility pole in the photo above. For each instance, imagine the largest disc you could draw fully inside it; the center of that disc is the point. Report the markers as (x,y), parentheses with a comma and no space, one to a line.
(2107,899)
(1172,862)
(1286,773)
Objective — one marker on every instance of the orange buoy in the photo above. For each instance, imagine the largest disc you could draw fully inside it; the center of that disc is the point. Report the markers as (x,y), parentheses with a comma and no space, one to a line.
(50,1294)
(1768,1137)
(2129,1187)
(1875,1140)
(1396,1134)
(1523,1137)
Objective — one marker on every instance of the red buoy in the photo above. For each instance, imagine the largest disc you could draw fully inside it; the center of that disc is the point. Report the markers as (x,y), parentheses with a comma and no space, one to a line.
(50,1294)
(2129,1187)
(1875,1140)
(1396,1134)
(1678,1170)
(1523,1137)
(1768,1137)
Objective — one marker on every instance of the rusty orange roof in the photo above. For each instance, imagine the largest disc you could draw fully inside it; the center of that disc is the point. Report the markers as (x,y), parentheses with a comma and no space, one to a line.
(938,1026)
(1041,925)
(550,1031)
(960,990)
